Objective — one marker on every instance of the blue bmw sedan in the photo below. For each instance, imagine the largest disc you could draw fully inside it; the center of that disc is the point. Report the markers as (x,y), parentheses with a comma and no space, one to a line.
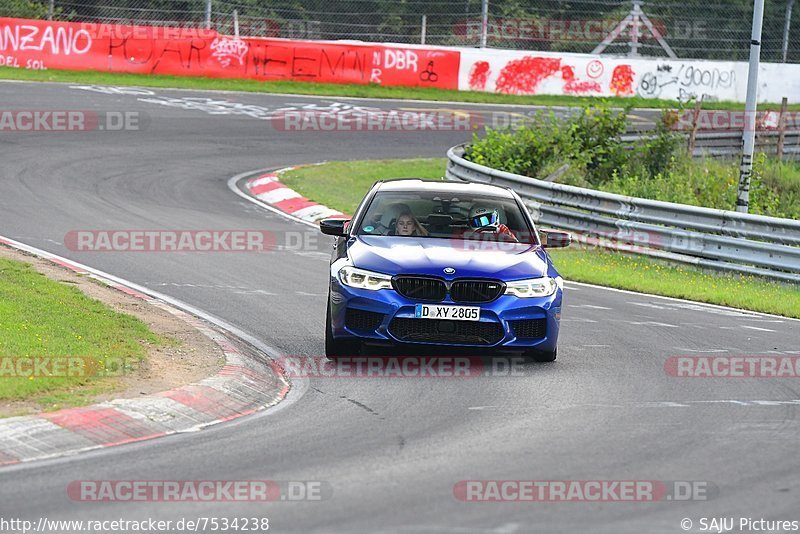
(433,263)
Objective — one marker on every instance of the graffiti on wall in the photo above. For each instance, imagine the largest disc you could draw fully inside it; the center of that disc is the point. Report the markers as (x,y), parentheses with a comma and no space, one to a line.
(551,73)
(527,75)
(689,80)
(192,52)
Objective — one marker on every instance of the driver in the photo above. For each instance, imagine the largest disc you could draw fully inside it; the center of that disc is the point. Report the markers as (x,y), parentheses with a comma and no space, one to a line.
(486,220)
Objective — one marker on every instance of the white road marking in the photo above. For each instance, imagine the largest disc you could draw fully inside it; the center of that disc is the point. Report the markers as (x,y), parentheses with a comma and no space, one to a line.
(261,292)
(597,346)
(587,306)
(647,305)
(577,320)
(653,323)
(710,309)
(757,328)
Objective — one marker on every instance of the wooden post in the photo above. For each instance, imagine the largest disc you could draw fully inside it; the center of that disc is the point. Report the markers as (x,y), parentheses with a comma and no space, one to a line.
(782,127)
(693,133)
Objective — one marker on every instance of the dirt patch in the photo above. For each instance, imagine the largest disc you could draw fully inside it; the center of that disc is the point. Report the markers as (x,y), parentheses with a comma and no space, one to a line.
(187,356)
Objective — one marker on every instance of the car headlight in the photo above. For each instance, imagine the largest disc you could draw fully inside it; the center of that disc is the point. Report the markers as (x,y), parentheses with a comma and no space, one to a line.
(363,279)
(534,287)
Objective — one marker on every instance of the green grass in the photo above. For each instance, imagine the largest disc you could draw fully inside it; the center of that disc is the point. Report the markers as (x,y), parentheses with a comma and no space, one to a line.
(638,273)
(775,188)
(40,317)
(342,90)
(341,185)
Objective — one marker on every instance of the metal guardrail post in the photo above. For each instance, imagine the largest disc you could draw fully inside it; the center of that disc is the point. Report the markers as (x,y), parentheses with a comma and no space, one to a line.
(782,127)
(695,118)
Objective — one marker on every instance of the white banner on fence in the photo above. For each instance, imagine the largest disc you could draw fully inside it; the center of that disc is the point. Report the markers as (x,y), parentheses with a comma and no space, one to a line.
(549,73)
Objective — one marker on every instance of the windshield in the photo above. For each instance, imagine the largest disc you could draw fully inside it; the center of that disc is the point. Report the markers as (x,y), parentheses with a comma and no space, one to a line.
(444,215)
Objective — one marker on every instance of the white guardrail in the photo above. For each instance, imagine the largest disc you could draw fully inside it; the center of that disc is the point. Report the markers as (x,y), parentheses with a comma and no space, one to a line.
(705,237)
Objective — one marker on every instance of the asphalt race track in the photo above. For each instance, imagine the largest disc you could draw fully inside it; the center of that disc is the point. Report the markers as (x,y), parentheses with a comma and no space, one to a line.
(390,449)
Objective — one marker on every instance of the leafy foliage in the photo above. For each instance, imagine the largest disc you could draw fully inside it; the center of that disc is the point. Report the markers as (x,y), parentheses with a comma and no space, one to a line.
(656,168)
(24,9)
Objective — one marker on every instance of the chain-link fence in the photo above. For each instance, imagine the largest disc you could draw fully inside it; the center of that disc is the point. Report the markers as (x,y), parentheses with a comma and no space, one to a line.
(705,29)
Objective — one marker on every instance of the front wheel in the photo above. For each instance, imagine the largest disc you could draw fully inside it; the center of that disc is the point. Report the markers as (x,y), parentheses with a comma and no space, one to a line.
(541,356)
(338,348)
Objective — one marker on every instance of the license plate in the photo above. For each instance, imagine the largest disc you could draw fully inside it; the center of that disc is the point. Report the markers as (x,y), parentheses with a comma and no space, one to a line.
(454,313)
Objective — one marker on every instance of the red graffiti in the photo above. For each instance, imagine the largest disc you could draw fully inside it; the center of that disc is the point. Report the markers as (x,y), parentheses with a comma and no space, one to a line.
(595,69)
(191,52)
(523,76)
(575,86)
(478,75)
(582,88)
(622,80)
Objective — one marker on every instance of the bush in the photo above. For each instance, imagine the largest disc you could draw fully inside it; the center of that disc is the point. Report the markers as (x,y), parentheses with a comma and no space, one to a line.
(590,142)
(657,167)
(23,9)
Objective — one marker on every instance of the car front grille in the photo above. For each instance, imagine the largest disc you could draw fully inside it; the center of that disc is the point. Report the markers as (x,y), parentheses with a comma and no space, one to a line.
(476,290)
(356,319)
(529,328)
(457,332)
(435,289)
(420,287)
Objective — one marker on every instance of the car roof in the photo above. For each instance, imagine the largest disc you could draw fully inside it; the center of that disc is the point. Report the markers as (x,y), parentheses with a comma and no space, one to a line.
(439,186)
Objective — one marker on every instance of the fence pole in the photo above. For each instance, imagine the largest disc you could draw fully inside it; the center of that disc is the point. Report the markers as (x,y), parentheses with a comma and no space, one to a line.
(749,136)
(236,23)
(782,127)
(695,123)
(50,9)
(787,26)
(484,22)
(424,29)
(208,14)
(636,12)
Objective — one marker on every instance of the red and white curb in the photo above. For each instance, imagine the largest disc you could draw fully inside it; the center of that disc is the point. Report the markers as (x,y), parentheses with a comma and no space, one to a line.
(249,382)
(268,188)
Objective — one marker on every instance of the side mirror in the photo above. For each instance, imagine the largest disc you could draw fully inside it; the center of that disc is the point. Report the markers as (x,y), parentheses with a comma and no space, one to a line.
(554,239)
(335,227)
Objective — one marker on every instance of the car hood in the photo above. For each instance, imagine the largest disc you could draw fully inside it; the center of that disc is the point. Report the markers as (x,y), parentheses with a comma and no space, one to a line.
(430,256)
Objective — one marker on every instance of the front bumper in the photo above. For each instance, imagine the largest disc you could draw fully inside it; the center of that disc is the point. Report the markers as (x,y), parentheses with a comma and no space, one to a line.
(498,328)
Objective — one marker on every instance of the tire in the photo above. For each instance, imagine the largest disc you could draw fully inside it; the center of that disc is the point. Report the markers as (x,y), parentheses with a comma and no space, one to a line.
(338,349)
(541,356)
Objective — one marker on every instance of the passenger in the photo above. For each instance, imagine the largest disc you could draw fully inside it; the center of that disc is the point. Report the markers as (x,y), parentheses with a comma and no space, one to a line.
(408,225)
